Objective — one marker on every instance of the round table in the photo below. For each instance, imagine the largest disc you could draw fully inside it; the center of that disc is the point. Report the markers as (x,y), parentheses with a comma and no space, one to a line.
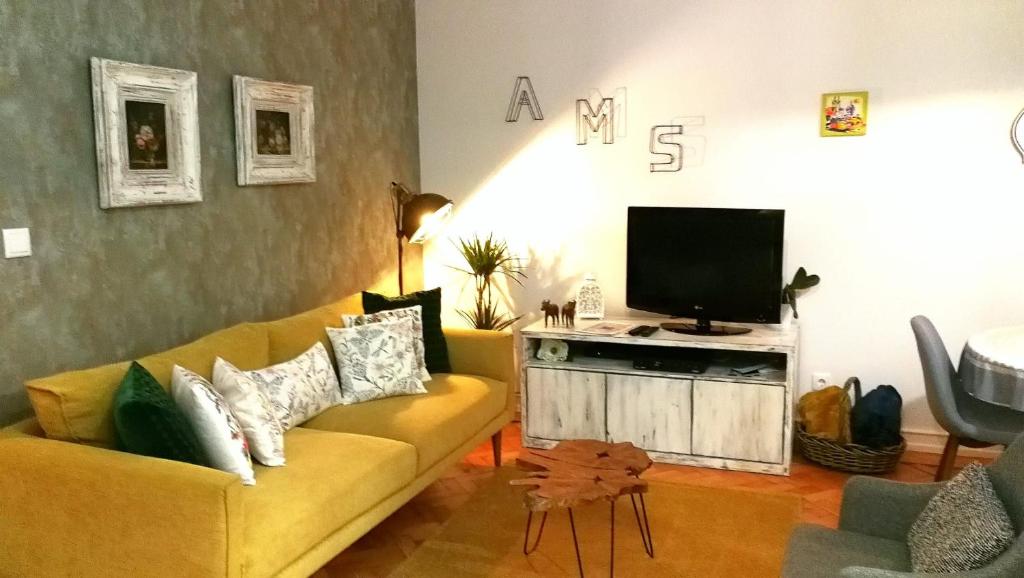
(992,366)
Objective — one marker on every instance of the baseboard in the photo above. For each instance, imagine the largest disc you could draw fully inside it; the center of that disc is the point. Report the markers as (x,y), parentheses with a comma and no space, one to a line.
(933,442)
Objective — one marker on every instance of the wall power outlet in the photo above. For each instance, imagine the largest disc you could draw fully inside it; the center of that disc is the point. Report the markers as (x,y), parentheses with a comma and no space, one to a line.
(820,380)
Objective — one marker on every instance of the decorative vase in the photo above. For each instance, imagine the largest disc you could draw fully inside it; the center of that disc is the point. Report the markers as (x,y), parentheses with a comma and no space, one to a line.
(590,299)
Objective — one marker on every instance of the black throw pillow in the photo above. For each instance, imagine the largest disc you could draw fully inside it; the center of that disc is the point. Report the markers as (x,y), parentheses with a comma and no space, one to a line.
(435,348)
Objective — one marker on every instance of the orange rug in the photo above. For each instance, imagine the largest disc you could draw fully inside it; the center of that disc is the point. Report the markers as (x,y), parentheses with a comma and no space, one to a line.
(697,531)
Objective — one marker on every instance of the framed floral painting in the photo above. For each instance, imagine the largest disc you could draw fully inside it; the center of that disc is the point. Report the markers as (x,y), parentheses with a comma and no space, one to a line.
(147,134)
(273,132)
(844,114)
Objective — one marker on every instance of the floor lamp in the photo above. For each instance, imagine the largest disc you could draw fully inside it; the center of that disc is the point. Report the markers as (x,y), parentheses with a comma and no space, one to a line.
(418,217)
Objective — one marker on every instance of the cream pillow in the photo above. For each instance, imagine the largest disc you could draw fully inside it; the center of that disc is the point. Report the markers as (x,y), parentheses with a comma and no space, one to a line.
(415,313)
(254,412)
(299,389)
(375,361)
(216,427)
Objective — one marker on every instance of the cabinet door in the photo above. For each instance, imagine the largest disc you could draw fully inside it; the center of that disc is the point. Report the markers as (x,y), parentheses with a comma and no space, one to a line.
(742,421)
(563,405)
(651,412)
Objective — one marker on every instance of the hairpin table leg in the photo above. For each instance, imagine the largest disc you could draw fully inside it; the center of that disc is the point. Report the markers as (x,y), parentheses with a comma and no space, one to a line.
(645,526)
(575,543)
(540,532)
(611,547)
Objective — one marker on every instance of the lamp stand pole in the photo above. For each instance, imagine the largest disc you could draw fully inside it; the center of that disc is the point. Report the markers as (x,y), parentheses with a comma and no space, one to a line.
(401,280)
(398,197)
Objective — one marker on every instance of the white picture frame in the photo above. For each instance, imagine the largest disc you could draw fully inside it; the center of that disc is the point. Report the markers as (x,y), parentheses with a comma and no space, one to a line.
(274,132)
(147,134)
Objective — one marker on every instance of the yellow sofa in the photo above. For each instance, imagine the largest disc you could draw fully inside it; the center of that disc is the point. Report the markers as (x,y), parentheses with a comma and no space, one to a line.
(72,506)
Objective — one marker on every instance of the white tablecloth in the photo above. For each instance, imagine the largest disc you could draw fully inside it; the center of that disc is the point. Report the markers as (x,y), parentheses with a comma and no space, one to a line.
(992,366)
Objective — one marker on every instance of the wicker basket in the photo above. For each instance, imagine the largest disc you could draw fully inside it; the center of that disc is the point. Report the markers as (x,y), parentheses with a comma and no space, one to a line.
(853,458)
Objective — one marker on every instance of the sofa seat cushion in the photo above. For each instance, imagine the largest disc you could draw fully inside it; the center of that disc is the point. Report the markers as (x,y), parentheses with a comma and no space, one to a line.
(331,478)
(77,406)
(454,409)
(819,552)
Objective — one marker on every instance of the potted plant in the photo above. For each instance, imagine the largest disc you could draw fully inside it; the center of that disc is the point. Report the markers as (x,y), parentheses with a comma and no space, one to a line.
(486,258)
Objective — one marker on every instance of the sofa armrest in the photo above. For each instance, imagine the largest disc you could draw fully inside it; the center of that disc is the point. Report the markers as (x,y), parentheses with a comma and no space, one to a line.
(484,353)
(74,510)
(883,508)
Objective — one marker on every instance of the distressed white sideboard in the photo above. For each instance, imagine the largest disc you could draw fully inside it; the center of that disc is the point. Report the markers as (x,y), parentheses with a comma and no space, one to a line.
(712,419)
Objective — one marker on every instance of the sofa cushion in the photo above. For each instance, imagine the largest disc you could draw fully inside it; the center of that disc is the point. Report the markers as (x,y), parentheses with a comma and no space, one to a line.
(331,478)
(435,346)
(376,361)
(150,423)
(819,552)
(415,313)
(964,527)
(77,406)
(291,336)
(454,409)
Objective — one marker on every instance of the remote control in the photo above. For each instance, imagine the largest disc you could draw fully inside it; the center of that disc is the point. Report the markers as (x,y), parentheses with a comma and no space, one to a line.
(643,330)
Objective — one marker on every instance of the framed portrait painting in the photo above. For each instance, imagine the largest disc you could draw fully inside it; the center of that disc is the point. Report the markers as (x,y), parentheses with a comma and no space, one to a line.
(844,114)
(273,132)
(147,134)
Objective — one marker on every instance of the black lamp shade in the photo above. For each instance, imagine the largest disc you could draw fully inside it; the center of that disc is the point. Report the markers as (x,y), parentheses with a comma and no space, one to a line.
(423,215)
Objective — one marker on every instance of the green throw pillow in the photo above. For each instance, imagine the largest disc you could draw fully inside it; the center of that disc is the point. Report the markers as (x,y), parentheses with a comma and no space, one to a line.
(149,423)
(435,348)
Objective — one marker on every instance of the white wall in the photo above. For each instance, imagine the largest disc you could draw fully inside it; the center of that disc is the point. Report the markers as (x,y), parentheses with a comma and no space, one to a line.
(922,215)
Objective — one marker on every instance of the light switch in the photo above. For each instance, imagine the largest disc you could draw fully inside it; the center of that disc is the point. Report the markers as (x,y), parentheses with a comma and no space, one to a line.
(17,243)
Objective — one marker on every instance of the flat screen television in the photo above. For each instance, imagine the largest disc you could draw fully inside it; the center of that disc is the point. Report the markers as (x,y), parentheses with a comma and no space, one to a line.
(705,264)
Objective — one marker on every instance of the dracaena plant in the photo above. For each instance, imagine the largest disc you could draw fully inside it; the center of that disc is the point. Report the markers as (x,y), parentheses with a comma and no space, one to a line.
(486,259)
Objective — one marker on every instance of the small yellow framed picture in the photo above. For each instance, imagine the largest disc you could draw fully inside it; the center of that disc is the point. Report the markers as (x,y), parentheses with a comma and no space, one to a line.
(844,114)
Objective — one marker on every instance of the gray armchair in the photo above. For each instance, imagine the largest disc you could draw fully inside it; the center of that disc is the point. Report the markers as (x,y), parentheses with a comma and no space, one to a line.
(969,421)
(875,518)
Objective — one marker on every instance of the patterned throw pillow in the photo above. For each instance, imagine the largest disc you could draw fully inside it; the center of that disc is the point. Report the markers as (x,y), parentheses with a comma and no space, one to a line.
(415,313)
(436,348)
(149,423)
(375,361)
(254,411)
(216,427)
(964,527)
(301,388)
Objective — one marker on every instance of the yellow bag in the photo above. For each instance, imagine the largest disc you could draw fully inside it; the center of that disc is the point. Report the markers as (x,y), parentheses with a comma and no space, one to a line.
(826,413)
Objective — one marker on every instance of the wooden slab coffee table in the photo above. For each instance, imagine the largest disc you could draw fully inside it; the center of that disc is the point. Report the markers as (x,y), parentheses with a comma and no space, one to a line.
(579,472)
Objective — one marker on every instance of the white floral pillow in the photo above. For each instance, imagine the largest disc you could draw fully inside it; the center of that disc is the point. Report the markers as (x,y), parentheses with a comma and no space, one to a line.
(254,411)
(415,313)
(375,361)
(216,427)
(301,388)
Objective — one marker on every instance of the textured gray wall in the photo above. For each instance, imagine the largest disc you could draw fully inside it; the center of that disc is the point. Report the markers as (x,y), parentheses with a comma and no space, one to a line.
(111,285)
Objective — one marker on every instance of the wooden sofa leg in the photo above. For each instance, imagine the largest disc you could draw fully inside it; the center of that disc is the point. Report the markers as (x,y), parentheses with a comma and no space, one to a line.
(948,459)
(496,448)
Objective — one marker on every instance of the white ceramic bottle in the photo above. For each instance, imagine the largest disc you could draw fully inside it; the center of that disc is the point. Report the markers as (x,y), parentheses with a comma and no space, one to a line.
(590,299)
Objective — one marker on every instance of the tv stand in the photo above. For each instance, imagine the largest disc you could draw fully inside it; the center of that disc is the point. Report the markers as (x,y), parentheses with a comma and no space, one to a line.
(735,414)
(704,327)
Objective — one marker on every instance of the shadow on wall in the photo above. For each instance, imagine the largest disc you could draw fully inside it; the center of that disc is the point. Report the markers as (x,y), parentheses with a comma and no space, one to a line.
(546,278)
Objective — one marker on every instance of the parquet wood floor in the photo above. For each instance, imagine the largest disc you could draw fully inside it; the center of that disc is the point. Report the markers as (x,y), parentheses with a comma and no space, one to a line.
(376,554)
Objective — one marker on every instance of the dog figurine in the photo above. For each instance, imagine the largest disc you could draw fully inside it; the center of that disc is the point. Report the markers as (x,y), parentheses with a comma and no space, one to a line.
(550,311)
(569,314)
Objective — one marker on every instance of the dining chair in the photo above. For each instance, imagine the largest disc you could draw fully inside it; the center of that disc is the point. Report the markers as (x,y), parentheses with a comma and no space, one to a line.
(970,422)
